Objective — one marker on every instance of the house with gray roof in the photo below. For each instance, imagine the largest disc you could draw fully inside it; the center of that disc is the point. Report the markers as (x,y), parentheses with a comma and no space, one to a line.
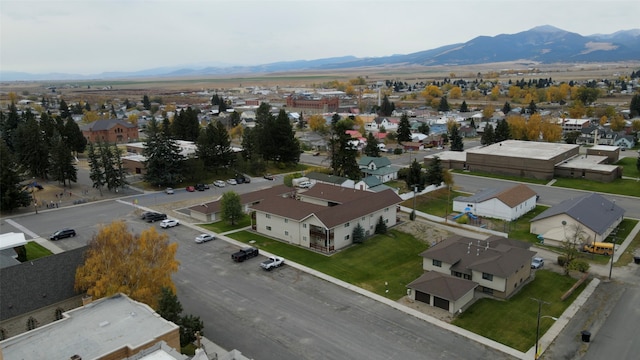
(505,204)
(495,266)
(379,167)
(330,179)
(37,292)
(324,217)
(587,218)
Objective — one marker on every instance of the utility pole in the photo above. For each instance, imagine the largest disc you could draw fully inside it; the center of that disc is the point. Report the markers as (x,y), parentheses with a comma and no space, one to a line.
(540,302)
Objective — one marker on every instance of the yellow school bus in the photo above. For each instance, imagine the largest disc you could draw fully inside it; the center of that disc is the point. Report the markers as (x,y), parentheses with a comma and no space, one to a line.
(599,248)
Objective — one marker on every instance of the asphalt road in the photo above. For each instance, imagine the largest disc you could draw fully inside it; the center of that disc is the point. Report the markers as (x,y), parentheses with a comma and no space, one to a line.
(283,314)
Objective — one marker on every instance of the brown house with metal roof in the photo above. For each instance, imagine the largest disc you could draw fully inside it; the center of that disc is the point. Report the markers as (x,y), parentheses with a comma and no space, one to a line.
(497,266)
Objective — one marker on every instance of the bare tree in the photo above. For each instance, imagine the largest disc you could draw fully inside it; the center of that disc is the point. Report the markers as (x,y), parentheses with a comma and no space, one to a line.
(574,239)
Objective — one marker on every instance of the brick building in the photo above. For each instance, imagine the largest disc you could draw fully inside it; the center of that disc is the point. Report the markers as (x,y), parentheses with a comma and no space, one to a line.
(110,131)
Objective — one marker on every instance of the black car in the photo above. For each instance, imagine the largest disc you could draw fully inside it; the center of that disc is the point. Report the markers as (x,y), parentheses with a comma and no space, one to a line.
(201,187)
(147,214)
(61,234)
(156,217)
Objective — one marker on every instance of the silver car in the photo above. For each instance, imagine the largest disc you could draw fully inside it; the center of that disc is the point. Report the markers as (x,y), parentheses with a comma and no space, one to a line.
(202,238)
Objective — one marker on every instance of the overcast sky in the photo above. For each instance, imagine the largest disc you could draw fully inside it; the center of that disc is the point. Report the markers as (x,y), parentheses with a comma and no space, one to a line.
(94,36)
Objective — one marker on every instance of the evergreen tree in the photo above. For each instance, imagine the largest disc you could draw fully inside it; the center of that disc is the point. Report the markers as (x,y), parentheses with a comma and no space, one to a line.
(146,103)
(167,129)
(12,194)
(532,107)
(404,129)
(9,125)
(189,326)
(464,107)
(107,159)
(634,107)
(164,162)
(372,146)
(444,104)
(169,307)
(506,109)
(234,119)
(62,161)
(386,109)
(381,226)
(456,139)
(32,148)
(64,110)
(502,131)
(343,153)
(424,129)
(288,147)
(96,170)
(301,122)
(72,135)
(434,172)
(472,123)
(119,180)
(488,137)
(358,234)
(214,147)
(415,176)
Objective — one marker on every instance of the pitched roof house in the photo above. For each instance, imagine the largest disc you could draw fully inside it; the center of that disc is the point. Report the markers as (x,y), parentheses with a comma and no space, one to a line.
(379,167)
(508,204)
(588,218)
(324,216)
(498,266)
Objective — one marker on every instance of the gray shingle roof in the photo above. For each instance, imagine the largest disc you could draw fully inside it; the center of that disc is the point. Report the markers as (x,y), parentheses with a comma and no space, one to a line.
(592,210)
(35,284)
(442,285)
(511,197)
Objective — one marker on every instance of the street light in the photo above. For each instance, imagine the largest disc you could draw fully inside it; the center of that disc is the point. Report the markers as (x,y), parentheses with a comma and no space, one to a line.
(540,302)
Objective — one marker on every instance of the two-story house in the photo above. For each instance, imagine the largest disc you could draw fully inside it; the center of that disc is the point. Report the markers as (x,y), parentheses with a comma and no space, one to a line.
(379,167)
(110,131)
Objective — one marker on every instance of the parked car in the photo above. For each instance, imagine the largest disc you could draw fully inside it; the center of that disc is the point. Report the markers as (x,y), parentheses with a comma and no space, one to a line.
(244,254)
(202,238)
(167,223)
(169,191)
(63,233)
(316,154)
(156,217)
(147,214)
(232,182)
(305,185)
(537,263)
(269,177)
(201,187)
(219,183)
(191,188)
(272,262)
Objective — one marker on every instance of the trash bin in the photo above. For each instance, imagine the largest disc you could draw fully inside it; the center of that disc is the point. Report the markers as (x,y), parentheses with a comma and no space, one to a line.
(586,336)
(636,259)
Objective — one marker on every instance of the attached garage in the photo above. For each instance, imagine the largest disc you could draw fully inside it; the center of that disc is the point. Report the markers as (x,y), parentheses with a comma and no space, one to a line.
(442,291)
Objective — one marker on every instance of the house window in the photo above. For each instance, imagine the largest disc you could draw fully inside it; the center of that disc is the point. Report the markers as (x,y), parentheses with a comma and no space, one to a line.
(59,312)
(304,238)
(363,218)
(268,216)
(32,323)
(346,225)
(386,209)
(304,226)
(466,276)
(437,263)
(286,233)
(269,228)
(487,290)
(346,237)
(286,221)
(486,276)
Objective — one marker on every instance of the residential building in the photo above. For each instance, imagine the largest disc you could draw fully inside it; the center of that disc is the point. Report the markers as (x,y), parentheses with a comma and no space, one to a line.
(583,219)
(379,167)
(506,204)
(496,266)
(322,104)
(324,217)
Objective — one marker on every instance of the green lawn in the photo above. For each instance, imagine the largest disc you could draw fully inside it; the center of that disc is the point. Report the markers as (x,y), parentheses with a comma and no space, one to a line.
(519,229)
(223,226)
(629,167)
(618,186)
(392,258)
(35,251)
(504,177)
(513,322)
(438,203)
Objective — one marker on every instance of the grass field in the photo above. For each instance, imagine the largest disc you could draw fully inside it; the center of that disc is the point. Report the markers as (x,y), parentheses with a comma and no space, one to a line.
(513,322)
(619,186)
(629,167)
(35,251)
(438,203)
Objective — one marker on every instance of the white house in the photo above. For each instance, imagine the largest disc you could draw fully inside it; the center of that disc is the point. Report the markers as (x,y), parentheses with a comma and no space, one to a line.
(508,205)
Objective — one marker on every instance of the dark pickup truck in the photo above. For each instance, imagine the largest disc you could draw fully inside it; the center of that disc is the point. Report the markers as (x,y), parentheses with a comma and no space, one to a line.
(244,254)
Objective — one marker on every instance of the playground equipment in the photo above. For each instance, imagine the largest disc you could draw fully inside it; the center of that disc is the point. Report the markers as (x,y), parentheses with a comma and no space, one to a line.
(468,213)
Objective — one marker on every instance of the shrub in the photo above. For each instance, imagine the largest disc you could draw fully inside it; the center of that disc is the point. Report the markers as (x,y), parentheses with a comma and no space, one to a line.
(381,226)
(397,151)
(580,265)
(562,260)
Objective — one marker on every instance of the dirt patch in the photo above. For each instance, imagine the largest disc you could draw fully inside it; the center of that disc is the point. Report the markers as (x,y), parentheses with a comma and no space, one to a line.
(421,230)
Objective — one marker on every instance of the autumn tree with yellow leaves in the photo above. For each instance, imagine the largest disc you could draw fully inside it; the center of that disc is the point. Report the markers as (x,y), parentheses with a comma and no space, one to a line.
(118,261)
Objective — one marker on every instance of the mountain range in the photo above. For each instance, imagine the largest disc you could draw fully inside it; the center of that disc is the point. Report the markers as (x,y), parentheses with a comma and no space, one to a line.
(543,44)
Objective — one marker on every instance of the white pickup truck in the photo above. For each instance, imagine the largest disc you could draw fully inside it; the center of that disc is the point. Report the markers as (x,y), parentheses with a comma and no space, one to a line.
(272,262)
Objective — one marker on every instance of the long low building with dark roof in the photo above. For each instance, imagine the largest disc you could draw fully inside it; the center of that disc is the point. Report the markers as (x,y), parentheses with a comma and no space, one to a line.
(324,216)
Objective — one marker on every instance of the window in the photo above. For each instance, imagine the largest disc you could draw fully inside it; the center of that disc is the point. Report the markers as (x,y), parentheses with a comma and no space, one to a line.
(304,238)
(269,228)
(437,263)
(487,290)
(486,276)
(32,323)
(286,232)
(268,216)
(346,225)
(286,221)
(346,237)
(304,226)
(386,209)
(363,218)
(59,312)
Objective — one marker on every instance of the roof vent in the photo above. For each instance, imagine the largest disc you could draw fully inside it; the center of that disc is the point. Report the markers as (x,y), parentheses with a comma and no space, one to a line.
(76,357)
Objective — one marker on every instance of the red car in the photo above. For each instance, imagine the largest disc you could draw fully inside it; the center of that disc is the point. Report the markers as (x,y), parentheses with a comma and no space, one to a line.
(191,188)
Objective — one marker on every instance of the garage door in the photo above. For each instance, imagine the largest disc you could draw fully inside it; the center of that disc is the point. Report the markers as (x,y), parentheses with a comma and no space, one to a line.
(424,297)
(441,303)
